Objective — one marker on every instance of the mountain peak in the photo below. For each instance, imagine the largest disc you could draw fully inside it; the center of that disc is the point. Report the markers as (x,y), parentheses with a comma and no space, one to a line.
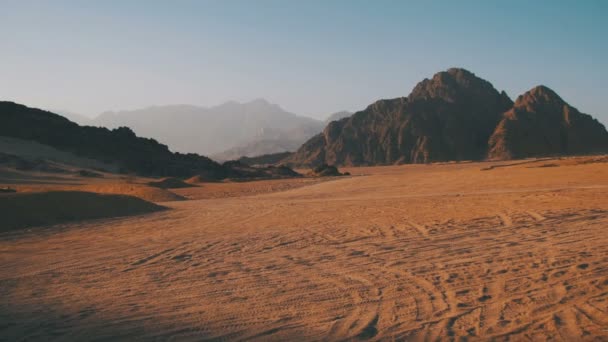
(540,96)
(460,73)
(453,85)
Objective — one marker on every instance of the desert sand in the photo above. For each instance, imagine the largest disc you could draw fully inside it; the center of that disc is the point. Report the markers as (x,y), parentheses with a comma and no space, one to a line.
(30,209)
(503,251)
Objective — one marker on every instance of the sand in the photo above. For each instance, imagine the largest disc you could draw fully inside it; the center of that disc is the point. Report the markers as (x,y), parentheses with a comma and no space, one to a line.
(437,252)
(240,189)
(170,183)
(26,210)
(142,191)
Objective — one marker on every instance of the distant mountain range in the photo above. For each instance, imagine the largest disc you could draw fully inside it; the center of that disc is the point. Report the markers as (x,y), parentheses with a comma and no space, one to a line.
(225,132)
(214,130)
(453,116)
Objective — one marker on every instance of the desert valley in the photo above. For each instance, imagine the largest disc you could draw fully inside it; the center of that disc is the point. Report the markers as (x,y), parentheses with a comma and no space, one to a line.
(279,170)
(455,214)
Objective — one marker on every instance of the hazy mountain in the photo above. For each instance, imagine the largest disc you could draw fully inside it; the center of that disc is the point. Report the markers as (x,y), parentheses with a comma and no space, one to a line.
(289,141)
(212,130)
(455,116)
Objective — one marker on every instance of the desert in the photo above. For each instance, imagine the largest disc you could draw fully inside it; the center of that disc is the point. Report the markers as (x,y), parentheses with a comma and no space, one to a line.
(276,170)
(491,250)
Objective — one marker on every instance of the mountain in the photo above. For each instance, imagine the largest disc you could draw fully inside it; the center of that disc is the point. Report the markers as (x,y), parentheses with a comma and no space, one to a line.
(449,117)
(117,146)
(455,115)
(288,141)
(541,123)
(213,130)
(337,116)
(259,148)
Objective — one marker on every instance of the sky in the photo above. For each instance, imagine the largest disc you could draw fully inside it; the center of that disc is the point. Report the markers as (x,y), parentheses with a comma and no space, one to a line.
(310,57)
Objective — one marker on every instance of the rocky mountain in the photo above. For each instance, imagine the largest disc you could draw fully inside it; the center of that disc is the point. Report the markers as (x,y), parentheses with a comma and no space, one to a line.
(117,146)
(541,123)
(455,115)
(214,130)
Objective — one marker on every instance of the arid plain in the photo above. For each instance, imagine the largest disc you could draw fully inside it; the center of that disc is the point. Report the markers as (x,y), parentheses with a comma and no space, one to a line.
(505,251)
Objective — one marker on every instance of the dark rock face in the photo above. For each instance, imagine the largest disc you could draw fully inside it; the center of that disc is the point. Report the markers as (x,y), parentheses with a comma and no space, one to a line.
(541,123)
(453,116)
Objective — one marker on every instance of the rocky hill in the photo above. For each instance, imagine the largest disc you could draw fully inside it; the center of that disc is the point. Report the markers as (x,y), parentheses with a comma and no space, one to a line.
(455,115)
(118,146)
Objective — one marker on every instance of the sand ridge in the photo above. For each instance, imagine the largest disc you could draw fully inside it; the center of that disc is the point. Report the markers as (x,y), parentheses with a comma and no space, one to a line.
(33,209)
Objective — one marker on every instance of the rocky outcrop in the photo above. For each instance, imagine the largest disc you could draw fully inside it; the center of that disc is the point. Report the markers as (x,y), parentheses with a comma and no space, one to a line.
(453,116)
(540,124)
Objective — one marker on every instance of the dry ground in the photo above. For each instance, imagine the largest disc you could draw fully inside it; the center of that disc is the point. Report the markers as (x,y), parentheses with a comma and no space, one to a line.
(406,253)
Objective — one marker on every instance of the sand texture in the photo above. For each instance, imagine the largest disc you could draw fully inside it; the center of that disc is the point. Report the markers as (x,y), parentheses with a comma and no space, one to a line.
(416,253)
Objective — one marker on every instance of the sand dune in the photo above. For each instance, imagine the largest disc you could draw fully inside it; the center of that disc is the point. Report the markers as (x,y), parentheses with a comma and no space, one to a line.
(240,189)
(170,183)
(419,252)
(145,192)
(26,210)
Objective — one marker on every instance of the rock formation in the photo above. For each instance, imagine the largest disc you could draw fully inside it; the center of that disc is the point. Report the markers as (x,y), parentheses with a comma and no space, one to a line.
(454,116)
(541,123)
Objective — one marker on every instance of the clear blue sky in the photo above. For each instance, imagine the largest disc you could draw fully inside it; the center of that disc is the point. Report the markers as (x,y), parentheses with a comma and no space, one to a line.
(311,57)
